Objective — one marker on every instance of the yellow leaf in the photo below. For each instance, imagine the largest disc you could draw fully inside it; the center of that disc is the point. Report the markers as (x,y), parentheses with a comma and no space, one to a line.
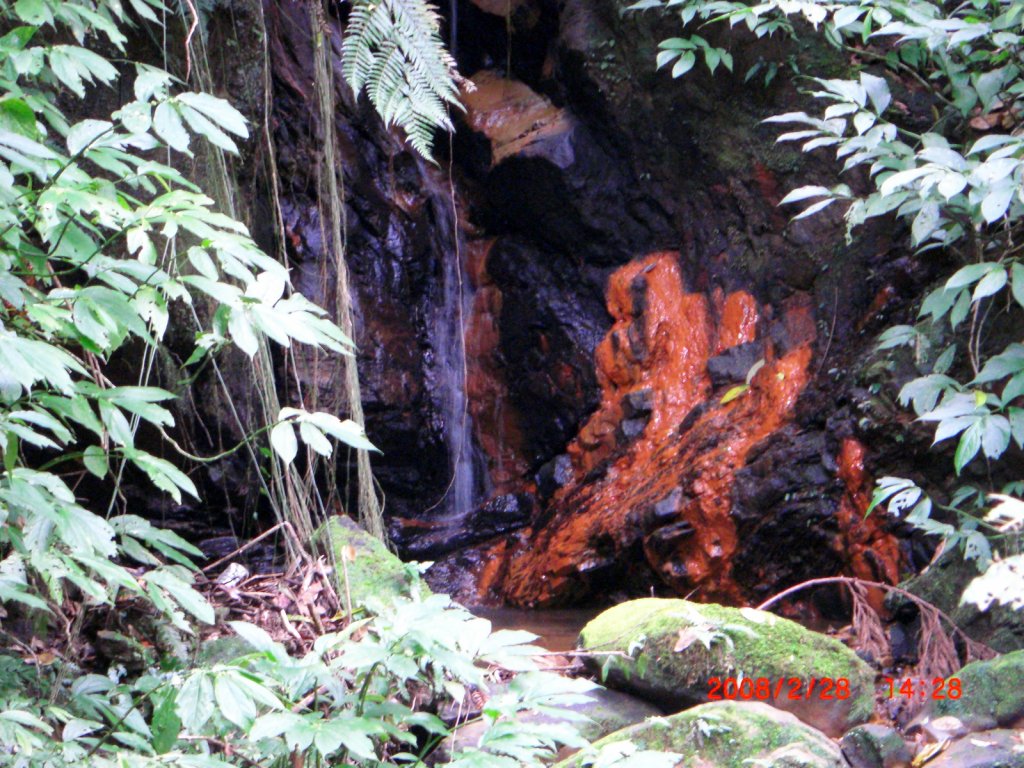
(733,393)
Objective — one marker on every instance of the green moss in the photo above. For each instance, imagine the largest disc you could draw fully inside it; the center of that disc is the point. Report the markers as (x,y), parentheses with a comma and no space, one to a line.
(730,734)
(722,642)
(991,690)
(374,576)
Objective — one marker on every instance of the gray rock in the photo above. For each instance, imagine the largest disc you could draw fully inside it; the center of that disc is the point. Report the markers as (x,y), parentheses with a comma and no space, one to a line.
(875,746)
(1000,748)
(733,364)
(608,711)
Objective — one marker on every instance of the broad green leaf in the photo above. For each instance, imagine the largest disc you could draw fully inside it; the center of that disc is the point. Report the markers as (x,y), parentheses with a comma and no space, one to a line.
(314,438)
(233,700)
(991,283)
(1017,283)
(182,593)
(95,460)
(85,133)
(968,446)
(18,117)
(282,438)
(168,126)
(217,110)
(166,725)
(195,703)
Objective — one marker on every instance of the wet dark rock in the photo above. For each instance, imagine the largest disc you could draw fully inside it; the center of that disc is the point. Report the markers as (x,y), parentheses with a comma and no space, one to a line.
(669,506)
(499,515)
(903,641)
(789,477)
(553,475)
(629,430)
(552,318)
(875,746)
(733,365)
(942,584)
(638,403)
(666,538)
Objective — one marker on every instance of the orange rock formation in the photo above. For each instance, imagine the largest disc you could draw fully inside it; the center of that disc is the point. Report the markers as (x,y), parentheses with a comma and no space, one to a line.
(679,475)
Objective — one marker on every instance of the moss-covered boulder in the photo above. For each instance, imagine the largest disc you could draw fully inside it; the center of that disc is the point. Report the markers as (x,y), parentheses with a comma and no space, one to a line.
(367,572)
(992,694)
(731,734)
(673,650)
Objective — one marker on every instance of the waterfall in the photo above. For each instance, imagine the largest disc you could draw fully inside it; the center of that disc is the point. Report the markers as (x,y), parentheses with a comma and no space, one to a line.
(466,474)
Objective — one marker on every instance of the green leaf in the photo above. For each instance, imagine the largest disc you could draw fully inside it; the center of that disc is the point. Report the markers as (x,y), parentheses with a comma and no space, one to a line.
(969,275)
(165,723)
(967,448)
(35,12)
(233,700)
(991,283)
(898,336)
(85,133)
(195,703)
(182,593)
(95,460)
(282,439)
(1017,284)
(1016,419)
(314,438)
(18,117)
(960,309)
(168,126)
(218,110)
(686,61)
(163,474)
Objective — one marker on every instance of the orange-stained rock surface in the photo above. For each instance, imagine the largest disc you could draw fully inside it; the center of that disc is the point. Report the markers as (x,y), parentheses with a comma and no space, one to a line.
(516,119)
(669,488)
(868,551)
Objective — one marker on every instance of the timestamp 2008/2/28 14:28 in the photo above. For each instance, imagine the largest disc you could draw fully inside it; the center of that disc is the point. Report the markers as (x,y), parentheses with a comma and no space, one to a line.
(825,688)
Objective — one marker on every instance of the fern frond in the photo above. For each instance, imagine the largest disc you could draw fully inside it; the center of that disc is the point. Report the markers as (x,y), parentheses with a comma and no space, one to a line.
(393,51)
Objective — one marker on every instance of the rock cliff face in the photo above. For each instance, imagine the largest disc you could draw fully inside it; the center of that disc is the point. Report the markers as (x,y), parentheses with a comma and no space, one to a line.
(597,356)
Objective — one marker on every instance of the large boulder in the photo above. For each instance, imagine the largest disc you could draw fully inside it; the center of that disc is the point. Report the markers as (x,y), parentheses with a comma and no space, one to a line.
(670,652)
(368,574)
(731,734)
(991,695)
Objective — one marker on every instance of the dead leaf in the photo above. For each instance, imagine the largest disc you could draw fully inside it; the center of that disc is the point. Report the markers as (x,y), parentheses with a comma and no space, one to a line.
(687,637)
(930,752)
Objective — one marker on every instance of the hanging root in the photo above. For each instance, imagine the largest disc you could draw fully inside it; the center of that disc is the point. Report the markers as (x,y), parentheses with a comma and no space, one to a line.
(937,654)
